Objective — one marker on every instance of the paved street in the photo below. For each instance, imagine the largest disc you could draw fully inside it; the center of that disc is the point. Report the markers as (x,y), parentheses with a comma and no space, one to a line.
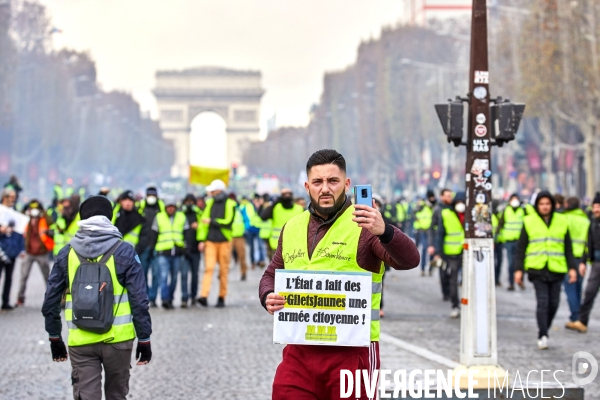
(209,353)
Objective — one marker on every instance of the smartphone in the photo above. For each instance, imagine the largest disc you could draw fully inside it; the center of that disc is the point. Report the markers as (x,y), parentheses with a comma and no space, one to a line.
(363,195)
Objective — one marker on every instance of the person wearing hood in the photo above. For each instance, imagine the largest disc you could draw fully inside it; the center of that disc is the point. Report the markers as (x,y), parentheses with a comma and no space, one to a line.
(545,252)
(579,226)
(449,243)
(38,246)
(127,219)
(510,225)
(214,235)
(280,212)
(90,353)
(149,207)
(591,254)
(168,241)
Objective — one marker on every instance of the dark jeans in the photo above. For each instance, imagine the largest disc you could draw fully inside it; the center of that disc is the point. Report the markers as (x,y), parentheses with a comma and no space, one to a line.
(422,243)
(591,291)
(193,260)
(169,267)
(445,281)
(146,258)
(548,298)
(498,258)
(452,270)
(8,273)
(511,249)
(251,240)
(573,292)
(87,363)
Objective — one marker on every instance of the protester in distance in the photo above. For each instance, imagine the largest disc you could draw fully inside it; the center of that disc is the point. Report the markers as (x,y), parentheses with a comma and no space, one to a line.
(545,253)
(38,246)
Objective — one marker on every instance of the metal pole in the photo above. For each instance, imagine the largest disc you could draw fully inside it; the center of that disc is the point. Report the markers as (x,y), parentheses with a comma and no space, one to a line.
(478,345)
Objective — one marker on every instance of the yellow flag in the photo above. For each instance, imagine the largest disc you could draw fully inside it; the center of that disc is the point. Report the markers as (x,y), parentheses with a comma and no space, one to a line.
(204,175)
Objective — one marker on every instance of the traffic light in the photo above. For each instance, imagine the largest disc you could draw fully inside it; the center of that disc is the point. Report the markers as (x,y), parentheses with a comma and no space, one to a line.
(451,117)
(506,118)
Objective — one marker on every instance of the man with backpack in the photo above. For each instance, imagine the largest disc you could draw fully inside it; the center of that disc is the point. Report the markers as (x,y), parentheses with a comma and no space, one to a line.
(107,305)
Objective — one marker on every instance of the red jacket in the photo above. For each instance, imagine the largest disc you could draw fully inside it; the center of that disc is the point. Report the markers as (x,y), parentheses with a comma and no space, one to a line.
(394,248)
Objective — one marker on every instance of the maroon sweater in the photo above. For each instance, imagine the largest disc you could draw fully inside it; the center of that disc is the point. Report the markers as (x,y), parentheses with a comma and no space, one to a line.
(394,248)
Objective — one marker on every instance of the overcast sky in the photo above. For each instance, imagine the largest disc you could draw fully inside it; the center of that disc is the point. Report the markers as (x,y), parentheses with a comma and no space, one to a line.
(293,42)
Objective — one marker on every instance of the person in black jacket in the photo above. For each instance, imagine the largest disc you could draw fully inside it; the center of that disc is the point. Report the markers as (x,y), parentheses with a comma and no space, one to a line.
(97,236)
(546,283)
(593,255)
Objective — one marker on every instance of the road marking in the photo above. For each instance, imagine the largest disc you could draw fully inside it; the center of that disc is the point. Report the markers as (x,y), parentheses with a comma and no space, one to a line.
(420,351)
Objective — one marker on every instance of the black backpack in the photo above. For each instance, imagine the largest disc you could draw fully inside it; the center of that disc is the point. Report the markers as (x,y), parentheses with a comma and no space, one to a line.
(92,294)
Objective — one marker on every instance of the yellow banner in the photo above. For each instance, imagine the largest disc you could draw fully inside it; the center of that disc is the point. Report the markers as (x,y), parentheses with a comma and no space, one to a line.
(204,175)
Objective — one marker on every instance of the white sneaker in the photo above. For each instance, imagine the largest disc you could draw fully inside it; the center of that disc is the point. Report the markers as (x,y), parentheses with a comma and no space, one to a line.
(455,312)
(543,343)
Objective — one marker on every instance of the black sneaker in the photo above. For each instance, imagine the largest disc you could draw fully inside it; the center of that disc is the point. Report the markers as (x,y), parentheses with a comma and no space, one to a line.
(220,302)
(511,288)
(202,301)
(243,277)
(153,304)
(192,302)
(7,307)
(167,305)
(183,303)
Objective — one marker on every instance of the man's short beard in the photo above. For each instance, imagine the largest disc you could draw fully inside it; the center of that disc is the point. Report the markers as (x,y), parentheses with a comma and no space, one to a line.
(328,211)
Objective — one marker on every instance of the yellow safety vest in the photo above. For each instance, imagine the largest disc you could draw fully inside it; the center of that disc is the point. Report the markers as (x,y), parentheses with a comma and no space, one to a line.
(546,243)
(170,234)
(281,216)
(455,234)
(230,207)
(579,225)
(122,328)
(513,223)
(341,238)
(238,227)
(62,239)
(423,218)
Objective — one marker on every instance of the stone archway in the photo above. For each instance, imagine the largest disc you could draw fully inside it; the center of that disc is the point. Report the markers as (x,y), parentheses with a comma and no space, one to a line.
(233,94)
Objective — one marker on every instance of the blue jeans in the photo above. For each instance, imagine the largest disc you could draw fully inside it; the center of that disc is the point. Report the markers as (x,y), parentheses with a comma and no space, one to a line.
(146,258)
(251,240)
(168,267)
(422,245)
(498,258)
(511,249)
(573,292)
(193,260)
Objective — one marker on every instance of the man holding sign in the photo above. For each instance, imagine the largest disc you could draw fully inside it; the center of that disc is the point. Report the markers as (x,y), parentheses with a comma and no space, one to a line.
(346,241)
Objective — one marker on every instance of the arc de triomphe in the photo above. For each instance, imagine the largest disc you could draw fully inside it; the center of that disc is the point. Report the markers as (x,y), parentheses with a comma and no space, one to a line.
(233,94)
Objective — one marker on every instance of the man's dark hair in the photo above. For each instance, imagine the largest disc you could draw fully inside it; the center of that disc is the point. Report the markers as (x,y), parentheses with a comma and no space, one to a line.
(573,203)
(326,156)
(444,190)
(560,199)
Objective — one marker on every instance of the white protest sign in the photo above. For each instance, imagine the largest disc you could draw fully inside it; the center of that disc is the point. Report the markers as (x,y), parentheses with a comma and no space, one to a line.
(8,214)
(323,308)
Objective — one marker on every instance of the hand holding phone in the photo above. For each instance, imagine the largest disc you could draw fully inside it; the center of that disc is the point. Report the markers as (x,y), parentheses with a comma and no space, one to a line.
(365,213)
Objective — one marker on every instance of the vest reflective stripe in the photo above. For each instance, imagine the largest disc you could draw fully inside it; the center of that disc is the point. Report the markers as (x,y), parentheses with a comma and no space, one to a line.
(230,207)
(281,216)
(346,233)
(62,239)
(238,227)
(455,233)
(546,244)
(423,218)
(133,236)
(170,234)
(513,223)
(579,225)
(122,329)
